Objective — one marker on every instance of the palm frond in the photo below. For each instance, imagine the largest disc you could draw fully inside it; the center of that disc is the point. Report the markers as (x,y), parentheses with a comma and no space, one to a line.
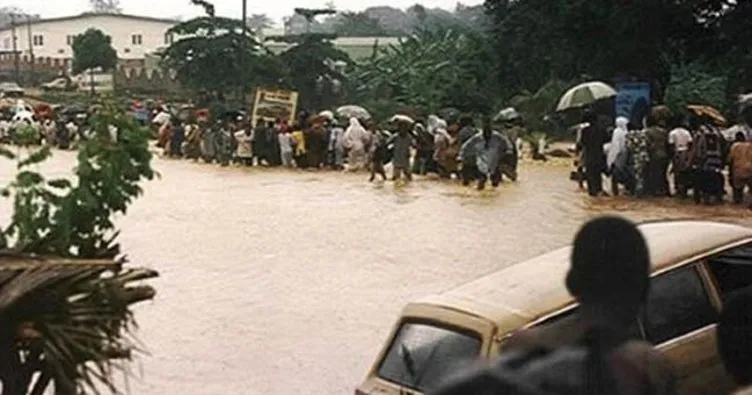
(77,313)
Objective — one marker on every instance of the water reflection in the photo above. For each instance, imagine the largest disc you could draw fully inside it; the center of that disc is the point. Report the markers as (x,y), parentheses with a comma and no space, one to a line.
(278,282)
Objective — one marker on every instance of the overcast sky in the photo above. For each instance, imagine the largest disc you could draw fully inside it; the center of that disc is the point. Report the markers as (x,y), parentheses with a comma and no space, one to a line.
(172,8)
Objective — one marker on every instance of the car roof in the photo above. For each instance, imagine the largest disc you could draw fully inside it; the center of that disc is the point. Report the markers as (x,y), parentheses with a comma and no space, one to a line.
(520,293)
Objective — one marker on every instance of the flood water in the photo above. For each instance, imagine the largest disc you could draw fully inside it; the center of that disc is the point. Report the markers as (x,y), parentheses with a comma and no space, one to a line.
(285,282)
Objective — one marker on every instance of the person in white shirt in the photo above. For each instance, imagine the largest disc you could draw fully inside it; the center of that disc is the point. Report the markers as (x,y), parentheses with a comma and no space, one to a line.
(50,131)
(161,118)
(680,144)
(244,151)
(285,147)
(72,129)
(4,129)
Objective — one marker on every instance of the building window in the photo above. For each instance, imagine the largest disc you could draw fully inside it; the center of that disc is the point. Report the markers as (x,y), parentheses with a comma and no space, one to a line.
(168,39)
(60,51)
(69,39)
(127,50)
(38,40)
(136,39)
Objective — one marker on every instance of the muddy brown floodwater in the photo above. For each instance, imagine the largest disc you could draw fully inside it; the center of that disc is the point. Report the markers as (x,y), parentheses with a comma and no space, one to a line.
(285,282)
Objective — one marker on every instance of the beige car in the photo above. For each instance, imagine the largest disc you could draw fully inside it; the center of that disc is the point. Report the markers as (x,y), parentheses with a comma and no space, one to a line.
(695,265)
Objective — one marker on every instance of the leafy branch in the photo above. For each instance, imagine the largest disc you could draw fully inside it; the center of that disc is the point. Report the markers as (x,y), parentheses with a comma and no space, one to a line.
(64,299)
(73,219)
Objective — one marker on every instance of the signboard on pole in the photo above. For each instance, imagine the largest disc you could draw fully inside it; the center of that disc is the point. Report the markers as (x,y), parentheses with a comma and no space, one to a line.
(632,101)
(274,104)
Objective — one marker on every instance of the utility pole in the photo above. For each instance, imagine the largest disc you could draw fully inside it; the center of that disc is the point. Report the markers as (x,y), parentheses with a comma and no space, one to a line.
(31,50)
(15,48)
(243,64)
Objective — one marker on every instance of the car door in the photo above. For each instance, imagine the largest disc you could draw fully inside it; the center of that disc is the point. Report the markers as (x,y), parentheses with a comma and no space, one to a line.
(680,320)
(731,270)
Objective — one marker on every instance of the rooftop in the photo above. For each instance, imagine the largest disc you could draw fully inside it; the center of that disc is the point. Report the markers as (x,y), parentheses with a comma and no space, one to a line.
(529,289)
(87,15)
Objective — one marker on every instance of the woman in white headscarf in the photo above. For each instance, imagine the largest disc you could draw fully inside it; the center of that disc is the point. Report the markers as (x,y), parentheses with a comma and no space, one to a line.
(355,141)
(618,155)
(445,152)
(432,123)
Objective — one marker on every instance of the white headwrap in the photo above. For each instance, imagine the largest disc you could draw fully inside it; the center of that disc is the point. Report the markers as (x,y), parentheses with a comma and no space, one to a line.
(618,141)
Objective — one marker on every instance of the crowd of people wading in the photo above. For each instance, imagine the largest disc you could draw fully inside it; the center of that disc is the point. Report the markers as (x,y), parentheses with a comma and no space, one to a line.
(448,148)
(679,153)
(689,147)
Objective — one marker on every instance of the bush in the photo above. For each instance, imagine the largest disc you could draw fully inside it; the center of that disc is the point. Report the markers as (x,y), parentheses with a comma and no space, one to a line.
(697,84)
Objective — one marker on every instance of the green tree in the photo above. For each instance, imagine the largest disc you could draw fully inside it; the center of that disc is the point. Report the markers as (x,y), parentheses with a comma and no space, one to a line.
(310,14)
(259,22)
(91,50)
(431,69)
(208,7)
(308,65)
(534,106)
(11,13)
(608,39)
(695,84)
(218,55)
(358,24)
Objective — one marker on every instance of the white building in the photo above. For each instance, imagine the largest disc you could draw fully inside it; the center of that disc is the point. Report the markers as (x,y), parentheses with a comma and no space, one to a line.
(132,36)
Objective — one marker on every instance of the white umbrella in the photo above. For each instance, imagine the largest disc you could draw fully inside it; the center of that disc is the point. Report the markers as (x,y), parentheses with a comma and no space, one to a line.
(402,118)
(584,94)
(507,114)
(327,114)
(353,112)
(23,116)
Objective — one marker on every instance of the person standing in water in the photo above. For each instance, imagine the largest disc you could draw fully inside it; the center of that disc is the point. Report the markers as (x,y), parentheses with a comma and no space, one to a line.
(286,143)
(244,150)
(402,141)
(379,153)
(680,150)
(355,140)
(483,153)
(618,156)
(591,143)
(740,167)
(335,147)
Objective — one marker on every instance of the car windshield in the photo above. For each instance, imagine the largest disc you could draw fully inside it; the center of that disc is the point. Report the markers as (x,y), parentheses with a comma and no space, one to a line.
(422,354)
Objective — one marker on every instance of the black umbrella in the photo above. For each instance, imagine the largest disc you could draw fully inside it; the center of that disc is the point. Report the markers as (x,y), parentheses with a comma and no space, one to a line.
(233,115)
(449,113)
(73,110)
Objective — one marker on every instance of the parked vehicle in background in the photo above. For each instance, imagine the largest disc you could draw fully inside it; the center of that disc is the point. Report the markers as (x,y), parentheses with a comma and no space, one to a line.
(11,89)
(59,84)
(103,81)
(695,266)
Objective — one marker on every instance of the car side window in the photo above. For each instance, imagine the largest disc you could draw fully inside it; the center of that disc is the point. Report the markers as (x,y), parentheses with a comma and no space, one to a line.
(732,269)
(677,304)
(633,331)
